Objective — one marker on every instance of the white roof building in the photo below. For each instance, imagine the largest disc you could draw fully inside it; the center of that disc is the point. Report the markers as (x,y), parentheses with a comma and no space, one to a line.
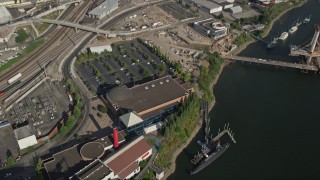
(100,49)
(25,137)
(130,119)
(236,9)
(105,8)
(208,6)
(5,15)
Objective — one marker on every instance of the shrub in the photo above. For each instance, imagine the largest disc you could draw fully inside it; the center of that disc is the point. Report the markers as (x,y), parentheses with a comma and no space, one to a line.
(102,108)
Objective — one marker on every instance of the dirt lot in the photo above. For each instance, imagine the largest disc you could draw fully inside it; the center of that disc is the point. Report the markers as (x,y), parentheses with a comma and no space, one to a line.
(153,16)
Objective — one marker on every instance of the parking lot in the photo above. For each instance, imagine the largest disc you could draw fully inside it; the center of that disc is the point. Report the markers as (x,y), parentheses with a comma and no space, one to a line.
(42,108)
(130,63)
(177,11)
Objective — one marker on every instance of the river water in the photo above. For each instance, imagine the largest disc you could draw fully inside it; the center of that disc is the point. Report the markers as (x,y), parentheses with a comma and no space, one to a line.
(274,114)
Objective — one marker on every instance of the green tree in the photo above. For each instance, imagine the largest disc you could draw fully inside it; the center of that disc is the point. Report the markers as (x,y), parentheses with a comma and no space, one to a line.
(11,161)
(76,112)
(102,108)
(63,129)
(186,76)
(78,97)
(146,73)
(22,36)
(70,121)
(39,166)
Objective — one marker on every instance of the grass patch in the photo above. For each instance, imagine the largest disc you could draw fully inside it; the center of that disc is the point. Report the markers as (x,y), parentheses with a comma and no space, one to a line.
(32,47)
(149,175)
(53,15)
(41,26)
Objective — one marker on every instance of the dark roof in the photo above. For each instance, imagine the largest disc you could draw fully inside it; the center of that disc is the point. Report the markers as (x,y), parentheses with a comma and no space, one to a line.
(126,156)
(156,112)
(8,143)
(145,96)
(23,132)
(95,170)
(92,150)
(108,140)
(64,164)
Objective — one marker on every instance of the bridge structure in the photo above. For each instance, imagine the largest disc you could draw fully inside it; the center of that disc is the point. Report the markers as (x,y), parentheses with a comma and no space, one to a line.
(77,26)
(311,51)
(303,67)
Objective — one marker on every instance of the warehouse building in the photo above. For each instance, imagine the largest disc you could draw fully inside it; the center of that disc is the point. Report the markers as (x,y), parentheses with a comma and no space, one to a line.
(207,6)
(226,4)
(5,15)
(100,49)
(145,104)
(104,9)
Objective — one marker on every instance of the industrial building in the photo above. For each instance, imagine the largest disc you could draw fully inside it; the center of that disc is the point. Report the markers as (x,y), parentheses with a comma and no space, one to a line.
(104,9)
(236,9)
(8,144)
(69,162)
(5,15)
(100,49)
(226,4)
(25,137)
(207,6)
(211,28)
(147,103)
(91,161)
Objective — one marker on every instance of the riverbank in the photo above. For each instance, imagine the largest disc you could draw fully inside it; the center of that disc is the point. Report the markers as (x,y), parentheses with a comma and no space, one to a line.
(269,27)
(197,128)
(212,103)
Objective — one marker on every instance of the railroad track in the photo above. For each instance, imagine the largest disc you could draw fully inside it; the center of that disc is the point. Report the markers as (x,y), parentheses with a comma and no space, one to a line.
(4,76)
(48,52)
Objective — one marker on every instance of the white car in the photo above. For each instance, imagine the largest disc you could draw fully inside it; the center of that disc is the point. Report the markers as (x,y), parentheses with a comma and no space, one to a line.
(117,81)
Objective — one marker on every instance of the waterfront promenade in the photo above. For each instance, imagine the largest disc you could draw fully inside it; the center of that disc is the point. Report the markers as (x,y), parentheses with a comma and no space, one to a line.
(272,63)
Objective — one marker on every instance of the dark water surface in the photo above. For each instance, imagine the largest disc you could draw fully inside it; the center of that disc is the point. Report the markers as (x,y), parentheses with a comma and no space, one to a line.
(274,113)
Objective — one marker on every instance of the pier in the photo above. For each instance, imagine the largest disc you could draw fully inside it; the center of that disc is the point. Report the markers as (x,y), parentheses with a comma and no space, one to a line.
(283,64)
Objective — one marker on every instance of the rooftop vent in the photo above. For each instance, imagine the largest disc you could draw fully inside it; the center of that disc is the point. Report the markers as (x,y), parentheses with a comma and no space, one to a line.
(152,85)
(146,87)
(167,80)
(160,82)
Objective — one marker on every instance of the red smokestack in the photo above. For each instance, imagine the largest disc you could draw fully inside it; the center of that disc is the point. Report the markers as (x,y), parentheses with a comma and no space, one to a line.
(115,138)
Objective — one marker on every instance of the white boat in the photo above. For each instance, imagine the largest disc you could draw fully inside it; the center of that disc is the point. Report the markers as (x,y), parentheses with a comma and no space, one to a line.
(307,19)
(284,36)
(293,29)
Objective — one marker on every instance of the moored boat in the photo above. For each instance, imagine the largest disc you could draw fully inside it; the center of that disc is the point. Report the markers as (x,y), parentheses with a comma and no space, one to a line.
(284,36)
(293,29)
